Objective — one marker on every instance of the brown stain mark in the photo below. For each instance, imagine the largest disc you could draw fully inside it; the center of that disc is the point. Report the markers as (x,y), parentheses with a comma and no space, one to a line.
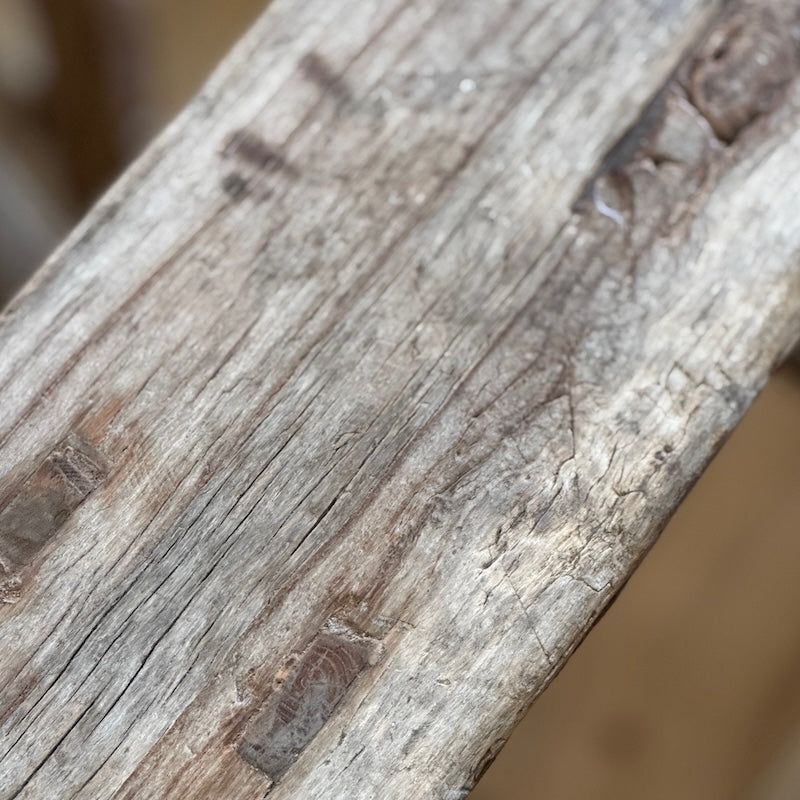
(320,73)
(235,186)
(93,425)
(743,68)
(306,692)
(249,148)
(42,504)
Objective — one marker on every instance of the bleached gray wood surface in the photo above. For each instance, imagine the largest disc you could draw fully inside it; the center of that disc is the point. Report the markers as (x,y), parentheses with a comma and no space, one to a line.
(336,424)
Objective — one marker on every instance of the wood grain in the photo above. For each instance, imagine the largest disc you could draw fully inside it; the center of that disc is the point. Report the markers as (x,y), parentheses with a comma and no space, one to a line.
(422,317)
(687,687)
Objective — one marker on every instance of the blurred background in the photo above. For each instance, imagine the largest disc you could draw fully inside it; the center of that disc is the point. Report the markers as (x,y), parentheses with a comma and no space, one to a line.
(84,85)
(689,687)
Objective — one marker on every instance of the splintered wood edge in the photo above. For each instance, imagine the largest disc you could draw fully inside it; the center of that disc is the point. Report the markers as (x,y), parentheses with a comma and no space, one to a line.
(338,422)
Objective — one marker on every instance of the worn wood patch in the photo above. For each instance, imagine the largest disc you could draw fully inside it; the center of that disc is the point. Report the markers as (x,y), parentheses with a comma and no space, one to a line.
(37,508)
(305,694)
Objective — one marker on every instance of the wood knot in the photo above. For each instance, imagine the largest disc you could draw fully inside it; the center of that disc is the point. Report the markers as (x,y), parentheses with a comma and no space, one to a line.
(744,67)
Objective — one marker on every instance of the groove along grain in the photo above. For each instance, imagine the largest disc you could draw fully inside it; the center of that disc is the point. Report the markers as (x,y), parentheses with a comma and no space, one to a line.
(344,414)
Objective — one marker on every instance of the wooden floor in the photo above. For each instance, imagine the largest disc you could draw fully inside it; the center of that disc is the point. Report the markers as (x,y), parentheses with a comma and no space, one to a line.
(689,687)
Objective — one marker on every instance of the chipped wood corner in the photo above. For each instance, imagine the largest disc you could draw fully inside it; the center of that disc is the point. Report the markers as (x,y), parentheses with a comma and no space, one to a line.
(336,425)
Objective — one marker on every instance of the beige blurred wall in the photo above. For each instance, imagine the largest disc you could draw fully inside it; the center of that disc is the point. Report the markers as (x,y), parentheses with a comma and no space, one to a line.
(185,40)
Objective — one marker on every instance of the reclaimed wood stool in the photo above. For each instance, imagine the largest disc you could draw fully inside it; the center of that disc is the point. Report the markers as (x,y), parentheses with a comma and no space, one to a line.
(335,425)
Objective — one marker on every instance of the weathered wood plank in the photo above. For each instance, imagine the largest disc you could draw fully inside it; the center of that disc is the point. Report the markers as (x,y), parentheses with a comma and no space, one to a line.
(341,420)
